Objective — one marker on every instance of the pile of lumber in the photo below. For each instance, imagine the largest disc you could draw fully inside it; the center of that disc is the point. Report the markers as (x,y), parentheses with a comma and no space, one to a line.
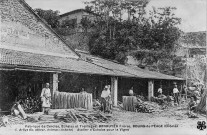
(64,100)
(146,106)
(11,120)
(141,97)
(154,107)
(157,100)
(140,107)
(80,115)
(76,115)
(132,103)
(30,105)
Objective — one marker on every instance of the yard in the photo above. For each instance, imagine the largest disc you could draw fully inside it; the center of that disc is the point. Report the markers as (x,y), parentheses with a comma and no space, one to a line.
(173,120)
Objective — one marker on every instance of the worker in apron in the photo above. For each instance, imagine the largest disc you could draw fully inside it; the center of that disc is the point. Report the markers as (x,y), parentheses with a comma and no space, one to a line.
(46,99)
(105,98)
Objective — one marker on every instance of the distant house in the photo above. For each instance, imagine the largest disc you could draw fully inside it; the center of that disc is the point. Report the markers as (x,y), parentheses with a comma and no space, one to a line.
(73,18)
(192,48)
(192,44)
(73,31)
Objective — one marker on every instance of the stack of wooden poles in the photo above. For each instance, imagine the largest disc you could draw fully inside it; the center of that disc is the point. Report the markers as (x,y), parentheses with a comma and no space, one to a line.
(132,103)
(64,100)
(129,103)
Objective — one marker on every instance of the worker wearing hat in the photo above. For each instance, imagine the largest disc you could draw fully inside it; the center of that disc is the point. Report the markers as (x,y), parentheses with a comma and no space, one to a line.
(176,93)
(131,92)
(46,98)
(104,96)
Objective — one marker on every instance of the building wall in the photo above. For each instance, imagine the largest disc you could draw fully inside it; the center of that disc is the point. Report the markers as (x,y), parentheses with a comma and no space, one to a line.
(75,19)
(78,16)
(20,28)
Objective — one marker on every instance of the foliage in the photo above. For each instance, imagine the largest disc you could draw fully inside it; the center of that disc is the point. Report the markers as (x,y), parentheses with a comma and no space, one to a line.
(149,38)
(158,39)
(123,27)
(50,16)
(110,28)
(69,23)
(86,24)
(194,38)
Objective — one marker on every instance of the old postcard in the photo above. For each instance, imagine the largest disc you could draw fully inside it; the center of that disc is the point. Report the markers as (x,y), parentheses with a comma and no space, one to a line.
(135,67)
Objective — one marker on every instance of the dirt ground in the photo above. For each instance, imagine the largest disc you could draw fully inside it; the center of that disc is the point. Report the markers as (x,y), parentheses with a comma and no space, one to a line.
(172,116)
(175,117)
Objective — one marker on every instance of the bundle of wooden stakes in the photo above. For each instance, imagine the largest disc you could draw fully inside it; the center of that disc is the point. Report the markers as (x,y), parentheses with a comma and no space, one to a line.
(64,100)
(132,103)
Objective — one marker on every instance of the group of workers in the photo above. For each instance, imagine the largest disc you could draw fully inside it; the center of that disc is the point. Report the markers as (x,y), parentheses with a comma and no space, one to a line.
(175,93)
(45,96)
(193,98)
(106,102)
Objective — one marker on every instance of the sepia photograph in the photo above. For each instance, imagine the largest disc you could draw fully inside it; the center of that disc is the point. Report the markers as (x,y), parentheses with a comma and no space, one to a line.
(106,67)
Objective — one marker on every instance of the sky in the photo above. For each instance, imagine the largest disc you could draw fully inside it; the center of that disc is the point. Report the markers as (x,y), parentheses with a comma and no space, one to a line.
(192,12)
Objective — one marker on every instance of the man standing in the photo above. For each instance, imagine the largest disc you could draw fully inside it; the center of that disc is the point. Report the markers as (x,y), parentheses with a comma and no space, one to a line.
(160,90)
(175,93)
(104,96)
(131,92)
(46,99)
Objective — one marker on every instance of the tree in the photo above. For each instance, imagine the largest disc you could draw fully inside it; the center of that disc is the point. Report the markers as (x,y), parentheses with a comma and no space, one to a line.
(86,24)
(111,37)
(50,16)
(150,39)
(156,44)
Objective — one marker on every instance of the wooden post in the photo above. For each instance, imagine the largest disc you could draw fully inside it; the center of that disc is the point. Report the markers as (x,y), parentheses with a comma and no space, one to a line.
(150,89)
(114,90)
(169,93)
(53,87)
(55,83)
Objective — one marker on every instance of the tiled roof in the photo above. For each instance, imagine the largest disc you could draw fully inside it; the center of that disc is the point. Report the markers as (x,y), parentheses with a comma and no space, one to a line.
(26,59)
(97,65)
(138,72)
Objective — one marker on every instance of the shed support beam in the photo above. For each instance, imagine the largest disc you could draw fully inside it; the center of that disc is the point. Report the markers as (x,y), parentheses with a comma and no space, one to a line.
(114,90)
(150,89)
(54,83)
